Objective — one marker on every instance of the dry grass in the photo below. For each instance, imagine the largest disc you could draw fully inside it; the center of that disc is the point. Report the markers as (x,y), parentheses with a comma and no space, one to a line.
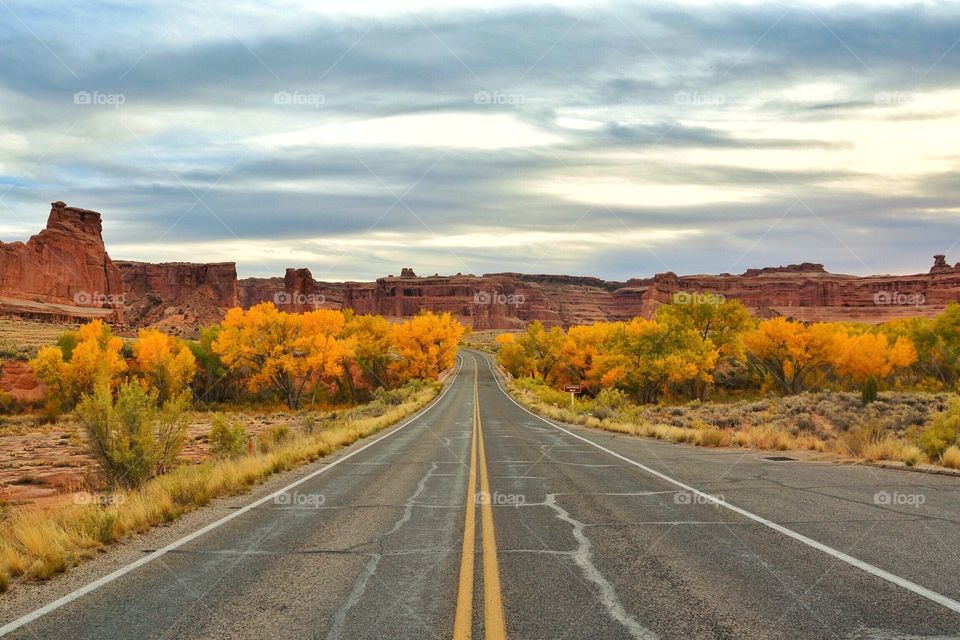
(951,458)
(822,423)
(37,543)
(702,434)
(20,339)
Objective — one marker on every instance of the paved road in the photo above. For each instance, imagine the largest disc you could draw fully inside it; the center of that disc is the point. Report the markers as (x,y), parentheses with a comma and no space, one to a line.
(574,534)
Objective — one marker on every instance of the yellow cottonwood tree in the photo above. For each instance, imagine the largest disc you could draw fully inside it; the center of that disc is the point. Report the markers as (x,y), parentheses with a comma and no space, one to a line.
(96,356)
(289,353)
(163,363)
(371,354)
(872,355)
(426,345)
(789,352)
(648,358)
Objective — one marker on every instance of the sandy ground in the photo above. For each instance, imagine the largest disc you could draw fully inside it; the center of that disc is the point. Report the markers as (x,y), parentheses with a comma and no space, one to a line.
(48,464)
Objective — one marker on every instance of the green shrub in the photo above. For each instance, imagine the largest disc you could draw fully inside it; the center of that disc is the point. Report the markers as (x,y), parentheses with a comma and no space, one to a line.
(608,404)
(942,432)
(273,438)
(869,392)
(228,439)
(67,343)
(132,439)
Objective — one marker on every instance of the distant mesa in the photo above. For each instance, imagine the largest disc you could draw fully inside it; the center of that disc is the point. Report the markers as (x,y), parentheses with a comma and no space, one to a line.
(65,273)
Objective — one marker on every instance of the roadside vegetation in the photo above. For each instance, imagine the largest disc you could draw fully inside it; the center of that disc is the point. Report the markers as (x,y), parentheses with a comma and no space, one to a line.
(340,377)
(704,372)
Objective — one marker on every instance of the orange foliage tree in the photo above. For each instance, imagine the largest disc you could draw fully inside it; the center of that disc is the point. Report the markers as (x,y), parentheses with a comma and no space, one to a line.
(288,353)
(789,352)
(373,350)
(425,345)
(872,355)
(163,363)
(94,355)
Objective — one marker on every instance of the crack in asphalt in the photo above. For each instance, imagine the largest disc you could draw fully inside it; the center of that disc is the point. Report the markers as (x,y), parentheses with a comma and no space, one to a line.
(583,556)
(370,570)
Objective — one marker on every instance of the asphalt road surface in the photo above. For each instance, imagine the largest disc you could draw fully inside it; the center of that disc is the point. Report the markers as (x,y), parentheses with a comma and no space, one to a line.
(479,519)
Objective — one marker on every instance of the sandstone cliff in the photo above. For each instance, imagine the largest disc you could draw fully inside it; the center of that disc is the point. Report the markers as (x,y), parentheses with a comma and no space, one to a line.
(803,291)
(496,301)
(63,271)
(177,297)
(808,292)
(296,292)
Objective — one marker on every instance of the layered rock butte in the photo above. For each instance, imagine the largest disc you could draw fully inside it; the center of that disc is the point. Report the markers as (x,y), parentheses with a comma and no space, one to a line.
(64,272)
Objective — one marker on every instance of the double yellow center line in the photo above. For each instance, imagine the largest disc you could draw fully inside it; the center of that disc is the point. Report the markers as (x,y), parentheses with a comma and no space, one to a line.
(493,619)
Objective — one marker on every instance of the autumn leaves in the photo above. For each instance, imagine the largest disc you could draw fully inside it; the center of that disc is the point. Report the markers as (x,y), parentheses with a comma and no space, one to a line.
(689,349)
(298,354)
(293,358)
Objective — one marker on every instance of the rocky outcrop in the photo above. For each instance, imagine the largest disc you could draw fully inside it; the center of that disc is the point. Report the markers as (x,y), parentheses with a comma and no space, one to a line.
(802,291)
(496,301)
(808,292)
(63,272)
(296,292)
(177,297)
(253,291)
(18,381)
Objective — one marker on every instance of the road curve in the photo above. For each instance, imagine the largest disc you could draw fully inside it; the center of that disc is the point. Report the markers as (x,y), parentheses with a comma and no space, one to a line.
(571,533)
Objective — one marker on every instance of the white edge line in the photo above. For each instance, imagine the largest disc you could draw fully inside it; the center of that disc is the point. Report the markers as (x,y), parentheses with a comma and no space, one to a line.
(940,599)
(96,584)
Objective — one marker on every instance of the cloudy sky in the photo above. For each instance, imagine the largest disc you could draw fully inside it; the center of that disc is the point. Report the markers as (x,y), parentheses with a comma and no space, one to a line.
(611,139)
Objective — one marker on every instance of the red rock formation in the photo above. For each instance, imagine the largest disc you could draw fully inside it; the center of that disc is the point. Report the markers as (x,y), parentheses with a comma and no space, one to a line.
(18,381)
(808,292)
(178,297)
(804,291)
(496,301)
(63,272)
(296,292)
(253,291)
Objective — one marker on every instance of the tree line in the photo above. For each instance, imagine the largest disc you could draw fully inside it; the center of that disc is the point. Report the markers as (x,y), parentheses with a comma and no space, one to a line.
(257,355)
(707,344)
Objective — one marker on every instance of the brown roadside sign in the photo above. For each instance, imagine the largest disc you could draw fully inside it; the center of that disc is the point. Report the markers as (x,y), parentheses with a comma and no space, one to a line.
(572,388)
